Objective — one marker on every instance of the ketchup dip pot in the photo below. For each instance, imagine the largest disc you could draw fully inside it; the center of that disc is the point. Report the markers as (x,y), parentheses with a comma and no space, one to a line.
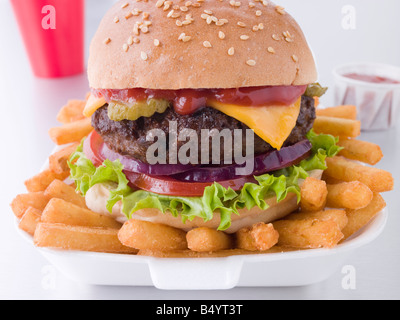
(374,89)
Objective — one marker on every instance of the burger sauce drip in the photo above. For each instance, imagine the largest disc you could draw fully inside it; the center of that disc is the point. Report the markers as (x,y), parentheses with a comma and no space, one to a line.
(188,101)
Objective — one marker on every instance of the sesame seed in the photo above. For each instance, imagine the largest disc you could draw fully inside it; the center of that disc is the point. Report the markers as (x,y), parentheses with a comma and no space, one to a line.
(181,36)
(209,12)
(169,15)
(271,50)
(241,24)
(130,40)
(244,37)
(251,5)
(136,29)
(116,19)
(145,30)
(295,58)
(258,13)
(143,56)
(221,35)
(186,38)
(156,42)
(280,10)
(125,5)
(107,41)
(251,62)
(125,47)
(179,23)
(231,51)
(160,3)
(207,44)
(275,37)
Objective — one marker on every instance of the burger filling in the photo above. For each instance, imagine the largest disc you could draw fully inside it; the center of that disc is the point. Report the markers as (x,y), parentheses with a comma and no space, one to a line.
(116,154)
(128,137)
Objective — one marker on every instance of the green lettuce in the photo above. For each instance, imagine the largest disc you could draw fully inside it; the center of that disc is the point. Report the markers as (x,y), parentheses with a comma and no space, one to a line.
(216,198)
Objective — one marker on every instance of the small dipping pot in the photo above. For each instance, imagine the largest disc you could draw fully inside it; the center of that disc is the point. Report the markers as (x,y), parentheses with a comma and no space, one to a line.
(374,89)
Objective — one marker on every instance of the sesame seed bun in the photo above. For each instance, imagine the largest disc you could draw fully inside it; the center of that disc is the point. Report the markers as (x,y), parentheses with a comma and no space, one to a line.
(198,44)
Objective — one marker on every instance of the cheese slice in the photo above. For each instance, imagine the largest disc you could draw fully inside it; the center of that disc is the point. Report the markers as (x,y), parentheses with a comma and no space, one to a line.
(273,124)
(92,105)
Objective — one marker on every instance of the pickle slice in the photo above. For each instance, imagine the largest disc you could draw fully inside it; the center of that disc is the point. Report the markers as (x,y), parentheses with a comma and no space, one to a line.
(315,90)
(147,108)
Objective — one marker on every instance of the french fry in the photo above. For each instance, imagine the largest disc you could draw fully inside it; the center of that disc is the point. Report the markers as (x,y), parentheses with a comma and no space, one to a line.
(259,237)
(337,126)
(344,112)
(59,236)
(363,151)
(71,132)
(147,235)
(339,216)
(60,211)
(41,181)
(60,190)
(313,194)
(350,195)
(208,240)
(181,254)
(316,102)
(308,233)
(72,111)
(330,180)
(36,200)
(58,161)
(360,218)
(346,170)
(30,220)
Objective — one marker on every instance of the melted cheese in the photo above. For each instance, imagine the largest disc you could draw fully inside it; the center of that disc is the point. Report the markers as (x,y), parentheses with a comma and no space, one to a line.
(92,105)
(273,124)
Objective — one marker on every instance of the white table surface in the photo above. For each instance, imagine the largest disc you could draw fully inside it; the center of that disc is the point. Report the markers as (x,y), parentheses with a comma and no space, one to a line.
(29,107)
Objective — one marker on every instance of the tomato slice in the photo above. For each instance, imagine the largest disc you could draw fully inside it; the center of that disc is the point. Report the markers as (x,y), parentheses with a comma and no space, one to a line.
(164,185)
(91,147)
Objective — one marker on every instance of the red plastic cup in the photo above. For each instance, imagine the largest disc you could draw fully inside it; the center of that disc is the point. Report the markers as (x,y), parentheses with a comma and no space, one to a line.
(53,33)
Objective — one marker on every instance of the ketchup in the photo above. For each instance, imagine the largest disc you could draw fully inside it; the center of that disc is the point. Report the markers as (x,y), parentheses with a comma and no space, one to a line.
(371,79)
(188,101)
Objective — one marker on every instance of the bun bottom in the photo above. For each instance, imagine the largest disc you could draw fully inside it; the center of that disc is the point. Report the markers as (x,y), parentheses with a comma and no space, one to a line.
(245,218)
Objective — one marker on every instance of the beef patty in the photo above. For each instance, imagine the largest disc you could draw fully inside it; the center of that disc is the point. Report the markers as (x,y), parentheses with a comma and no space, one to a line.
(128,138)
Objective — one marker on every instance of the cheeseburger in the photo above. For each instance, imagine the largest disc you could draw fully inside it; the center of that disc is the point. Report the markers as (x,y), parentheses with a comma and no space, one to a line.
(203,114)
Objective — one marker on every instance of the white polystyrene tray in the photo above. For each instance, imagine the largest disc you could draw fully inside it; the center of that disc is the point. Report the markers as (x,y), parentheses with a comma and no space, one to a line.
(297,268)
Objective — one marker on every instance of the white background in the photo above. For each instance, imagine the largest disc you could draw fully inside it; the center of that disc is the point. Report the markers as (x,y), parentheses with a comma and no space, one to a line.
(28,110)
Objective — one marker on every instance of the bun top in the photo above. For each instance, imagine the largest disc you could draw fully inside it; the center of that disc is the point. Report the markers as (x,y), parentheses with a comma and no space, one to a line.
(159,44)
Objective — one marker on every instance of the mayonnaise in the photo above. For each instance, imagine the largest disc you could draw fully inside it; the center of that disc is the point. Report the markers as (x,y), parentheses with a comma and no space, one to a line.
(96,200)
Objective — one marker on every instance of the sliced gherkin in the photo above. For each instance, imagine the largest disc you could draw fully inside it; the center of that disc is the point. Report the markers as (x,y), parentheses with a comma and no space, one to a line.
(147,108)
(315,90)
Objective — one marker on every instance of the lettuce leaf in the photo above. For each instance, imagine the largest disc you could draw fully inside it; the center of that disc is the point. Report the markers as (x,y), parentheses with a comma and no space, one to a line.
(215,200)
